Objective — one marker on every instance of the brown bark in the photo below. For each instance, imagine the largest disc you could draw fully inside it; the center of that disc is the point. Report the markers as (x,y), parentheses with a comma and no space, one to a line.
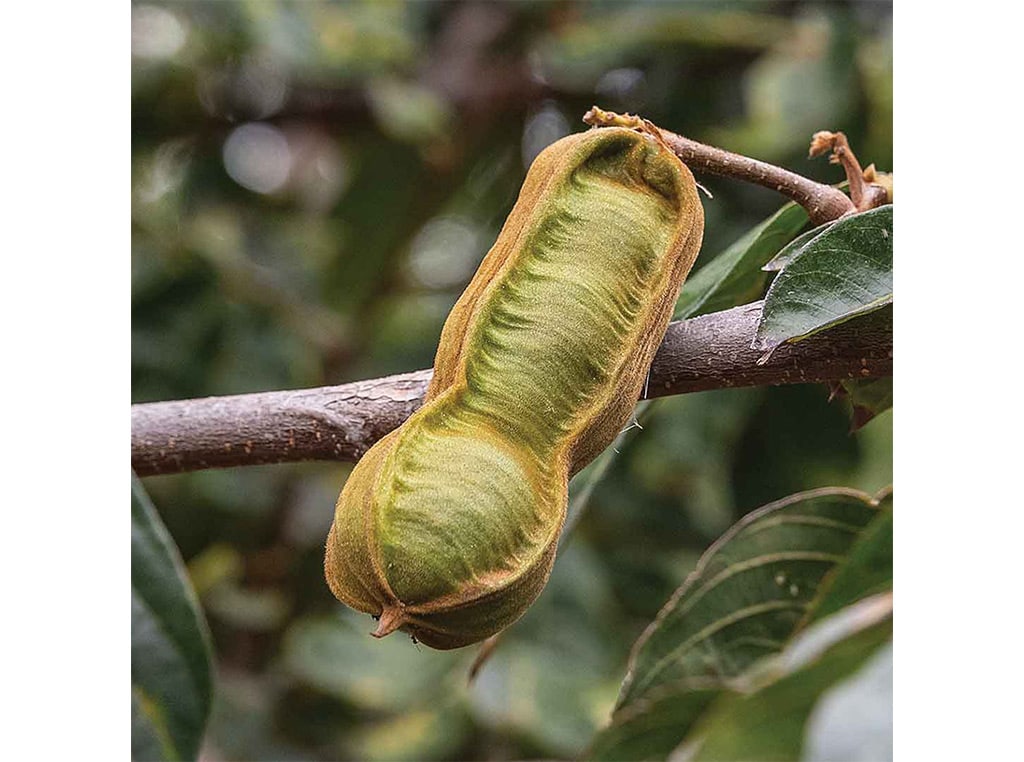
(341,422)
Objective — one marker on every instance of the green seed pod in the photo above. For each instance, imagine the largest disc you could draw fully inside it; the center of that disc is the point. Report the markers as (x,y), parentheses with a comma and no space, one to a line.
(447,527)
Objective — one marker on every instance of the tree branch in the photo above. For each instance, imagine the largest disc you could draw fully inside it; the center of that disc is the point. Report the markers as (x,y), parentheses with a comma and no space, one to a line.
(823,203)
(342,422)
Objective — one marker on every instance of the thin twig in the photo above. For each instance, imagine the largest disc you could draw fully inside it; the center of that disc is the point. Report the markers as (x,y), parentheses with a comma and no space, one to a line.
(863,192)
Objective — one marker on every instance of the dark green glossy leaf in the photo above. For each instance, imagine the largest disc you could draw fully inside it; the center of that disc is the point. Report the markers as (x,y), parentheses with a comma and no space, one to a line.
(844,272)
(171,681)
(735,276)
(769,723)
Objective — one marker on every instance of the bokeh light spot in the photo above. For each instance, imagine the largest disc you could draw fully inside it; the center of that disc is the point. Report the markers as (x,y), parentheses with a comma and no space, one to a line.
(257,157)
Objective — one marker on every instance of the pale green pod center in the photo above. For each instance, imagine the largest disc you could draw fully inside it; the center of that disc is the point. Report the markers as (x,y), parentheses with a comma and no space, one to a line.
(564,318)
(459,508)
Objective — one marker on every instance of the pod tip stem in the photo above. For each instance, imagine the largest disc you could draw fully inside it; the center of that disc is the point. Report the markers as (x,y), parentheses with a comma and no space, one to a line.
(391,618)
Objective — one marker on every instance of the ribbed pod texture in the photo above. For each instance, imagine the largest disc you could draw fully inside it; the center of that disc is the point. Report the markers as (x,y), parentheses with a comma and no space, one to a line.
(447,527)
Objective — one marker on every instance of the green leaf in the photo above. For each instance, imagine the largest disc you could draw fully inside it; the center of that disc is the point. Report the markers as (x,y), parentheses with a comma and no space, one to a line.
(769,723)
(653,727)
(750,590)
(869,397)
(843,272)
(735,276)
(795,248)
(745,600)
(866,571)
(760,715)
(171,680)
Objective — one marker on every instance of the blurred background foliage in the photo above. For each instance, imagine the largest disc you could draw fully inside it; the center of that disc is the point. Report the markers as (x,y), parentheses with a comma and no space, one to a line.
(313,185)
